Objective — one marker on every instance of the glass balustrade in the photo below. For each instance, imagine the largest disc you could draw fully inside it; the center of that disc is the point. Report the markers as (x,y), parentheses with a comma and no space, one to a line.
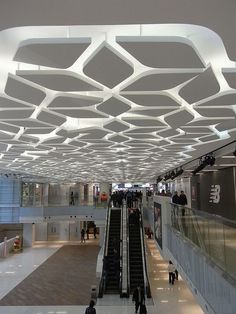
(214,235)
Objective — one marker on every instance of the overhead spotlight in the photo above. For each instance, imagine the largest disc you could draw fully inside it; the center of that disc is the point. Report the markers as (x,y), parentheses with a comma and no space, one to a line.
(167,176)
(234,153)
(201,166)
(177,173)
(159,179)
(208,160)
(172,175)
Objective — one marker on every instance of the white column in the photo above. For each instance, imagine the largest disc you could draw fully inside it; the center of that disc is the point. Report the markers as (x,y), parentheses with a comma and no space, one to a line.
(81,192)
(45,194)
(104,187)
(63,231)
(28,234)
(90,194)
(78,229)
(41,231)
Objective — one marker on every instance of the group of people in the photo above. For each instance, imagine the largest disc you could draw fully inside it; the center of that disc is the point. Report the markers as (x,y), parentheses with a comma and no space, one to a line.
(131,197)
(180,200)
(82,233)
(138,298)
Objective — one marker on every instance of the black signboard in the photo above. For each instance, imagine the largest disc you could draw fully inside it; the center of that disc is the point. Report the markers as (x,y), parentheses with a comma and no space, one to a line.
(216,192)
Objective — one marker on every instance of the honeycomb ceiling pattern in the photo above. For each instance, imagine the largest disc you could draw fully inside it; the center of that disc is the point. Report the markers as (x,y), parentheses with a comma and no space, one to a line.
(112,103)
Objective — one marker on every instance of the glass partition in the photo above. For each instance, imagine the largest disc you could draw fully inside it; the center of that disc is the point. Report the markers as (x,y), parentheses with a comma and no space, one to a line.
(213,234)
(31,194)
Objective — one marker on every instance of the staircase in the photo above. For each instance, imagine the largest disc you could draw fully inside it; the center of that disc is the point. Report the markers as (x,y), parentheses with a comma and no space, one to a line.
(135,256)
(112,281)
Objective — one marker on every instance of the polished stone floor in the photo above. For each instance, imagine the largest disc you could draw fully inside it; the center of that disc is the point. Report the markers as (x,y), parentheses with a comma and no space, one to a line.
(166,299)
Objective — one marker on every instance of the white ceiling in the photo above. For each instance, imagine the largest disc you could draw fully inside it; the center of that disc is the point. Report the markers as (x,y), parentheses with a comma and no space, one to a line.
(112,103)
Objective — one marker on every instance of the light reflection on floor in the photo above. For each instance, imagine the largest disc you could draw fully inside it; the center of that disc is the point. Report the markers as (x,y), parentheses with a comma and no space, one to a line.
(167,299)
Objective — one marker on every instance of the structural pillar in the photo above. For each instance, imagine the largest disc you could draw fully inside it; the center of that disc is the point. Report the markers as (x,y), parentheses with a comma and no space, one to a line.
(90,194)
(81,192)
(45,194)
(28,234)
(104,187)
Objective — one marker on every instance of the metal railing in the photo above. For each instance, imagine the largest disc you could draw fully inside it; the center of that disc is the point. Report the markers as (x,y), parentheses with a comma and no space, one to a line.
(6,247)
(214,235)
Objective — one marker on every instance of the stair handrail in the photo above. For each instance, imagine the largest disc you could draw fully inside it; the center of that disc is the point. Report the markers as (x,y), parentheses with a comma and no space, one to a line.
(105,251)
(147,289)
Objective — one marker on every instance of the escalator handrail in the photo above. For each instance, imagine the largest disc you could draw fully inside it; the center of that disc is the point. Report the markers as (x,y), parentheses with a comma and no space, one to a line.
(128,261)
(124,274)
(145,274)
(121,250)
(105,250)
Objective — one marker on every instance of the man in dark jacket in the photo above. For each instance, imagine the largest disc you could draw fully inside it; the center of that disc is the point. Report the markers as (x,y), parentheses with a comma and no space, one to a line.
(138,298)
(183,201)
(175,198)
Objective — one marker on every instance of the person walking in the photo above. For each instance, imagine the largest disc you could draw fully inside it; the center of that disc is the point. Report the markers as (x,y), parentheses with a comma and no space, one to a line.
(95,232)
(87,233)
(175,200)
(138,298)
(82,233)
(183,201)
(90,309)
(171,270)
(72,200)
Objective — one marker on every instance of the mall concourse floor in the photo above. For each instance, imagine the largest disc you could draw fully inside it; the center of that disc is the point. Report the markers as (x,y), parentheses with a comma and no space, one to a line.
(166,298)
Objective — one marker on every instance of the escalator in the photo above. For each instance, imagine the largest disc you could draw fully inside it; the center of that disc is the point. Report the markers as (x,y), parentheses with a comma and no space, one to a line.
(135,254)
(113,257)
(137,257)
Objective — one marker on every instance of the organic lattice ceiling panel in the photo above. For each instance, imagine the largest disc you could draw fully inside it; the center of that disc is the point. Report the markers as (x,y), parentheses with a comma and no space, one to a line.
(203,86)
(152,100)
(16,114)
(159,82)
(8,103)
(108,68)
(116,126)
(113,107)
(179,118)
(163,54)
(230,78)
(57,81)
(71,101)
(55,55)
(224,100)
(113,103)
(22,91)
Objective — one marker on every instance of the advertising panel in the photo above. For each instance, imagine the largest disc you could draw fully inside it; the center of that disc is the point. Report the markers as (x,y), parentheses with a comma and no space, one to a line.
(158,224)
(217,193)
